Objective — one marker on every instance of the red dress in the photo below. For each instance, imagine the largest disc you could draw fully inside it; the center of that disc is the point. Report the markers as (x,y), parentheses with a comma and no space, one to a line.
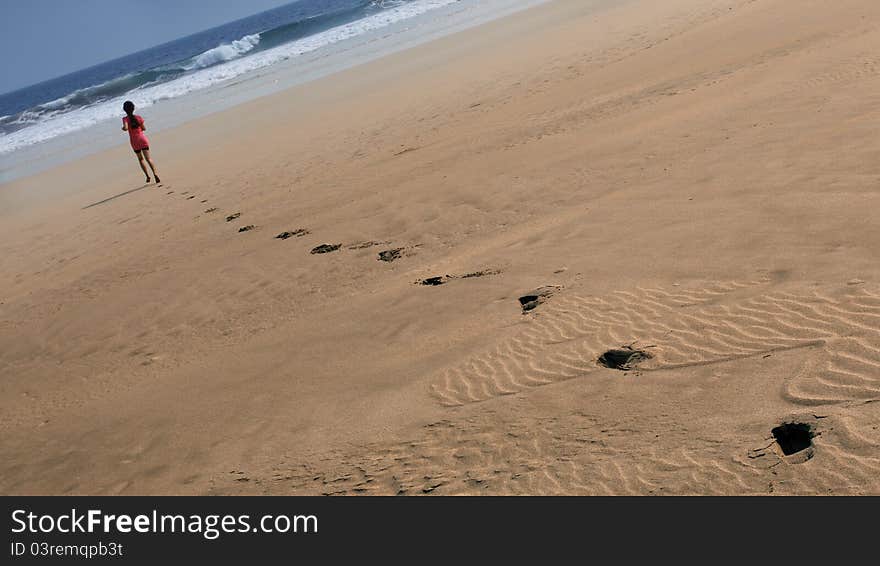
(136,136)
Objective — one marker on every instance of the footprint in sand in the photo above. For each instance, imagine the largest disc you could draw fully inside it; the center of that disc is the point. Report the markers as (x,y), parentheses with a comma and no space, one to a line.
(232,217)
(794,437)
(623,359)
(791,442)
(210,210)
(443,279)
(397,253)
(531,300)
(298,233)
(391,255)
(688,326)
(433,281)
(386,255)
(325,248)
(247,228)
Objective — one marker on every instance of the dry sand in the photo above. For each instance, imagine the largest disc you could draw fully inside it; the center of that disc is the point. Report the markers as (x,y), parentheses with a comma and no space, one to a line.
(699,177)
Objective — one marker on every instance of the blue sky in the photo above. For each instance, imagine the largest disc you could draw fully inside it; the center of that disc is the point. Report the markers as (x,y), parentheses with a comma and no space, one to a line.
(42,39)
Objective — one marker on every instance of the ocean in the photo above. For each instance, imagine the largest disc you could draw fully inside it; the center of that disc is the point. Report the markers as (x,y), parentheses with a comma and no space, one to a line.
(33,117)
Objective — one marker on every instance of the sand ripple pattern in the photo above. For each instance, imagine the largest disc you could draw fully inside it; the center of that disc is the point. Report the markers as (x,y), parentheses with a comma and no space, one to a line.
(579,453)
(682,328)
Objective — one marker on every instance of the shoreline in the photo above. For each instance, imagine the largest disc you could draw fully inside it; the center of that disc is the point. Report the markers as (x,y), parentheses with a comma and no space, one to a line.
(276,78)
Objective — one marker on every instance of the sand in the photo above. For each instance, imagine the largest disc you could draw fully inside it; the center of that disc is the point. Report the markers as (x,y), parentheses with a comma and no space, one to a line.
(693,179)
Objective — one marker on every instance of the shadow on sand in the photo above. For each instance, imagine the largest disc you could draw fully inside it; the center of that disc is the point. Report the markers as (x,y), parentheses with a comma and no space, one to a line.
(114,197)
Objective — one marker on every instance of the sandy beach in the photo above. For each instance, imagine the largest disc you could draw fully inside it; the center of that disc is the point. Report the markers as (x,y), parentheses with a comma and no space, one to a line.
(693,180)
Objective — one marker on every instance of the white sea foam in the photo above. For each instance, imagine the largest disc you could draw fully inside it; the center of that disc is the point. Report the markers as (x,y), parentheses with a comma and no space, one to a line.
(225,52)
(237,62)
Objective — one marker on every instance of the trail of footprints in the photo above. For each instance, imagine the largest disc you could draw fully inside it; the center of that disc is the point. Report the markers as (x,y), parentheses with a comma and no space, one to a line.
(517,449)
(676,327)
(387,256)
(682,328)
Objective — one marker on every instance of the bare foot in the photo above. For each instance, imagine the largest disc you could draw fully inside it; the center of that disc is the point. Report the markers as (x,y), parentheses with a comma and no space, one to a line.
(157,180)
(148,178)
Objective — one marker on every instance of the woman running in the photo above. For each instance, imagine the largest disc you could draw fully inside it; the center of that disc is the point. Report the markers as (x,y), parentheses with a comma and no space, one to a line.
(134,125)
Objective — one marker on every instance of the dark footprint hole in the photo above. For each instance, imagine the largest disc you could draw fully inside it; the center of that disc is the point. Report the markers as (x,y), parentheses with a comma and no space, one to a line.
(530,301)
(296,233)
(190,198)
(623,359)
(247,228)
(391,255)
(433,281)
(793,437)
(325,248)
(232,217)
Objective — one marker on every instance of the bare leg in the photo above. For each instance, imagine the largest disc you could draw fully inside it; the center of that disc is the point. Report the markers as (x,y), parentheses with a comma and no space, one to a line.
(146,154)
(143,165)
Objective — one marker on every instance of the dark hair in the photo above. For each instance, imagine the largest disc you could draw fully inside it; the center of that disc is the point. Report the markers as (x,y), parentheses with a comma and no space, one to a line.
(133,122)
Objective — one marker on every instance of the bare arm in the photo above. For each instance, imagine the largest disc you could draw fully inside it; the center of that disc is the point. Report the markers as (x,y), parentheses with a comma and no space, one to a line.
(124,125)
